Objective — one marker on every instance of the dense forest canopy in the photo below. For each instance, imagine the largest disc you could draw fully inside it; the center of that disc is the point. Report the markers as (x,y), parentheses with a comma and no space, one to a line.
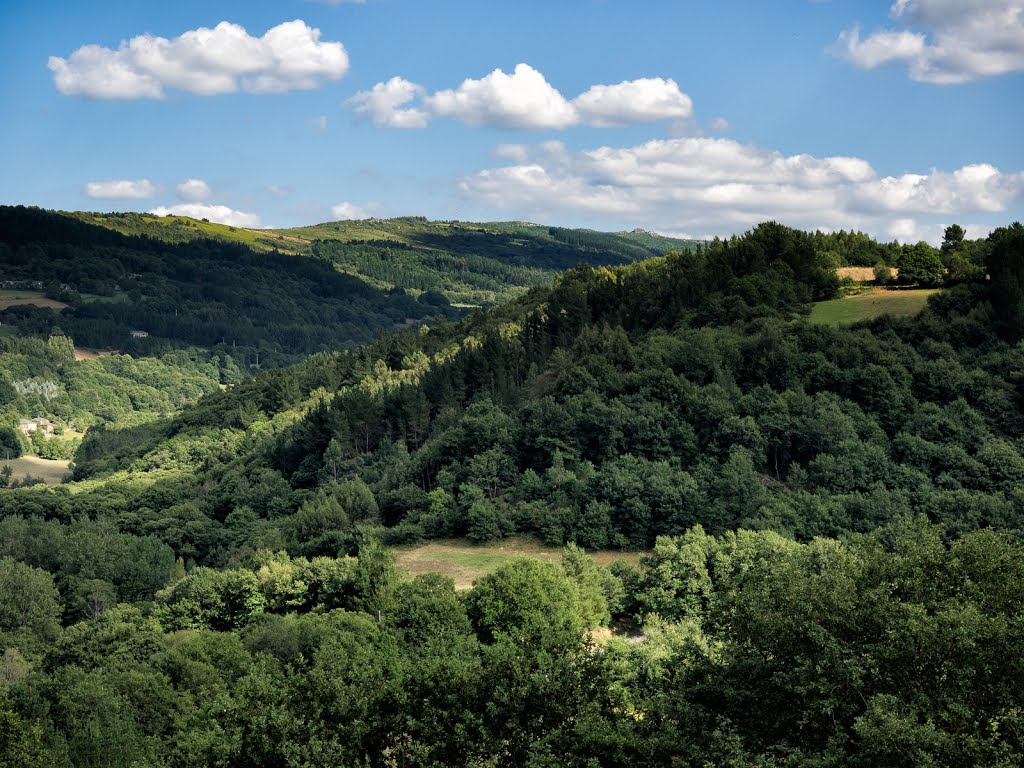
(832,517)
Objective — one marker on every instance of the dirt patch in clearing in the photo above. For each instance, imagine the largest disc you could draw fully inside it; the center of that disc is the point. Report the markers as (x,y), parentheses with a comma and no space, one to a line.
(6,302)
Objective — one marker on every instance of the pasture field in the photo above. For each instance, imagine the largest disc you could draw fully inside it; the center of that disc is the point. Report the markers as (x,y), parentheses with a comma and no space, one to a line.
(10,299)
(871,304)
(464,562)
(52,471)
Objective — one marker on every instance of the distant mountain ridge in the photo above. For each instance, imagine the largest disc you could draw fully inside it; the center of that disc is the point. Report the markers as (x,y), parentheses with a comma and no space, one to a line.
(471,263)
(188,282)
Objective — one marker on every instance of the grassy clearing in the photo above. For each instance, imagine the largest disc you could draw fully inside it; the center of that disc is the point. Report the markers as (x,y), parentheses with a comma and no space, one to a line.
(52,471)
(465,562)
(10,299)
(84,353)
(871,304)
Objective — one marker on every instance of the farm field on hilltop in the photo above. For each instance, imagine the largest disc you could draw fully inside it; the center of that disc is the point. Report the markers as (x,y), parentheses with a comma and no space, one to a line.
(465,562)
(871,304)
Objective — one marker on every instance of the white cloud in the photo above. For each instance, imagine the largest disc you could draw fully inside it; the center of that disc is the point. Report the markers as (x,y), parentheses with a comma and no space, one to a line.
(720,185)
(880,48)
(523,99)
(275,190)
(318,123)
(220,214)
(384,103)
(517,153)
(203,61)
(633,101)
(958,41)
(193,190)
(720,125)
(343,211)
(121,189)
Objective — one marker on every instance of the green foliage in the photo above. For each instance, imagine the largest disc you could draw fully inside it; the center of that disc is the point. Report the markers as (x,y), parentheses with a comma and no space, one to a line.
(29,605)
(206,598)
(592,586)
(1006,273)
(921,265)
(527,601)
(900,648)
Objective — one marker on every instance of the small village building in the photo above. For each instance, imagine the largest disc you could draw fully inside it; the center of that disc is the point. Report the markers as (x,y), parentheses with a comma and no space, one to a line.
(28,426)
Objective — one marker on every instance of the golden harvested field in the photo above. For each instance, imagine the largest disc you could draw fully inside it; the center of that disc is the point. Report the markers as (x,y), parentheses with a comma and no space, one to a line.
(862,274)
(53,472)
(465,562)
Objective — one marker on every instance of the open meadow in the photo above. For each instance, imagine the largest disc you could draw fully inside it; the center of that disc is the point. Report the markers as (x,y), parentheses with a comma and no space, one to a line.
(870,304)
(465,562)
(51,471)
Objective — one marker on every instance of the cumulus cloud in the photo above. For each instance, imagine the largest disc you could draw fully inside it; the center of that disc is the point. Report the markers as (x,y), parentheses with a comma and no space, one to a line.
(193,190)
(220,214)
(121,189)
(344,211)
(385,104)
(633,101)
(718,185)
(944,41)
(203,61)
(523,100)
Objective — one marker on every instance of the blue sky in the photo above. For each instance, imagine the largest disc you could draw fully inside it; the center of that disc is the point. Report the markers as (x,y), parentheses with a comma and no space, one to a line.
(691,118)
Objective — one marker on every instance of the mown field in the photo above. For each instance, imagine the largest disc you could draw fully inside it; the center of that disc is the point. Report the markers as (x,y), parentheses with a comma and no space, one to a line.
(871,304)
(465,562)
(52,471)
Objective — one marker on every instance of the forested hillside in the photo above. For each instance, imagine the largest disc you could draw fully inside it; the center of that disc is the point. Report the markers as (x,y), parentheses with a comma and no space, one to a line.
(833,516)
(191,305)
(475,264)
(622,404)
(205,292)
